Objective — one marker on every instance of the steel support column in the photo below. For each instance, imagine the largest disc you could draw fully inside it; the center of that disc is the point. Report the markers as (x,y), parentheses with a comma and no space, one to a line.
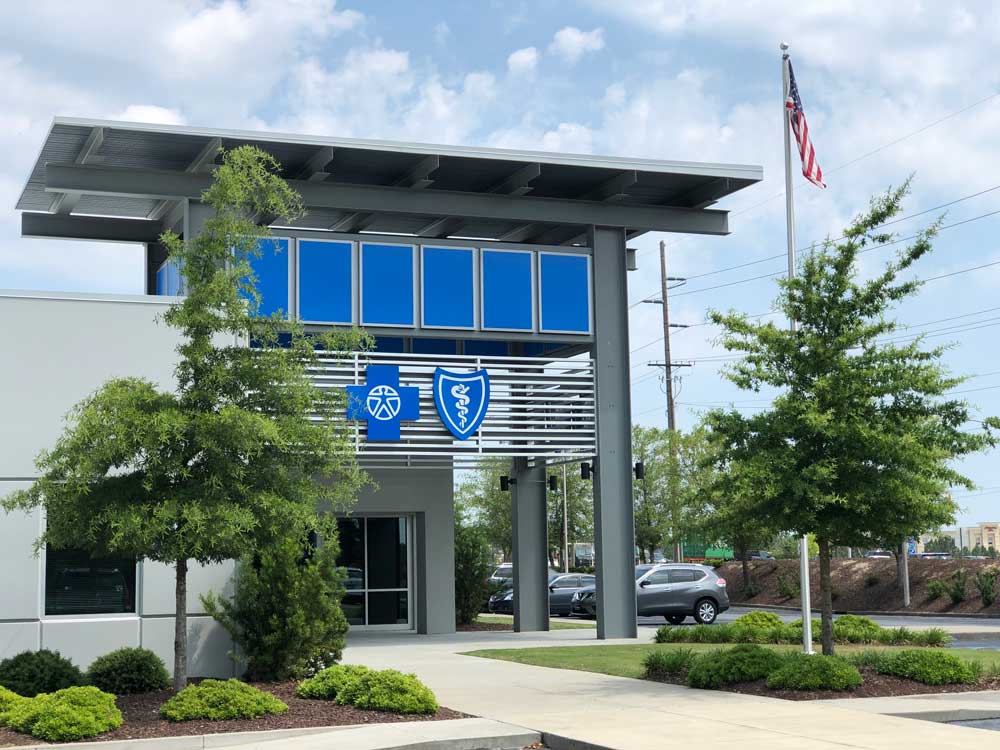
(614,527)
(530,546)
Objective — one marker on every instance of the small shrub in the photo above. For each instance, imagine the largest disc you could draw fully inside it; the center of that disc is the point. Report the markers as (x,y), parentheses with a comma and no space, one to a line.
(759,619)
(788,586)
(33,672)
(986,581)
(956,589)
(69,714)
(327,683)
(751,590)
(896,636)
(796,629)
(473,564)
(285,615)
(930,667)
(129,670)
(814,672)
(872,581)
(933,637)
(855,629)
(744,663)
(936,589)
(660,664)
(220,699)
(388,690)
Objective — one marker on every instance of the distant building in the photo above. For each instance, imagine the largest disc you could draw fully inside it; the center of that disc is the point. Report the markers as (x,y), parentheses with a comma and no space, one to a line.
(986,534)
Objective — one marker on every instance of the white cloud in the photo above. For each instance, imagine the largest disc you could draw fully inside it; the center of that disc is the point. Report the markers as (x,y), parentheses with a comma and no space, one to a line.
(149,113)
(570,43)
(442,32)
(523,61)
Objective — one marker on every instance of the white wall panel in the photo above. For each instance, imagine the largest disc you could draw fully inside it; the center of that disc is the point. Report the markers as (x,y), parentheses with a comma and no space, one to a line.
(208,645)
(84,639)
(16,637)
(20,570)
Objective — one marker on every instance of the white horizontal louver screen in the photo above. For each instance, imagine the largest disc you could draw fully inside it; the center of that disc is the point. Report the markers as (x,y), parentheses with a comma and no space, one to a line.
(537,409)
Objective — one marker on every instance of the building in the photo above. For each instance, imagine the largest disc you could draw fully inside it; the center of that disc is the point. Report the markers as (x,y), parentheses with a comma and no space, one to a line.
(984,535)
(506,269)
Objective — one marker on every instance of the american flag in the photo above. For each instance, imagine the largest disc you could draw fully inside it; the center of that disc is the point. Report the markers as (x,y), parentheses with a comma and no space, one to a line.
(797,117)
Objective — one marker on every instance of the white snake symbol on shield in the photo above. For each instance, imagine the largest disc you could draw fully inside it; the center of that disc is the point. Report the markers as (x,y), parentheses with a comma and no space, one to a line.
(460,394)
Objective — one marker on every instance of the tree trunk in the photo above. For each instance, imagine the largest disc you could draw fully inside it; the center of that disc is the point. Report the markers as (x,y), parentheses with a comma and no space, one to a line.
(826,596)
(747,581)
(180,625)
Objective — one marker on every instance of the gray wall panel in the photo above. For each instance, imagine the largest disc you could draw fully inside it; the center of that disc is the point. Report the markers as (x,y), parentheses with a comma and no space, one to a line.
(19,568)
(158,585)
(84,639)
(16,637)
(208,645)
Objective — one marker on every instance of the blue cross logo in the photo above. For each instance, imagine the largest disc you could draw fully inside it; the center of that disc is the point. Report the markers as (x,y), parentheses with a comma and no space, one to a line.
(383,402)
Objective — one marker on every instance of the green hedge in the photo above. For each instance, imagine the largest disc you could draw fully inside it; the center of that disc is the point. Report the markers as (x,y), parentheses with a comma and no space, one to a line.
(220,699)
(929,667)
(73,713)
(743,663)
(853,630)
(129,670)
(814,672)
(759,618)
(327,683)
(32,672)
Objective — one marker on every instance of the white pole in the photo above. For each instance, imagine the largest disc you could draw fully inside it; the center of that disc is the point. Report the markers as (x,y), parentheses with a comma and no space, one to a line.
(790,226)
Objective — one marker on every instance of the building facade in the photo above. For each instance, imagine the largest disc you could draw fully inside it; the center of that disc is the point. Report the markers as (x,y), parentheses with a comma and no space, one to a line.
(494,283)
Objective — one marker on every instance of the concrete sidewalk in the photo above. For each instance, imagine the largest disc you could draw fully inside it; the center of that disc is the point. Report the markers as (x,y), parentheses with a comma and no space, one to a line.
(617,712)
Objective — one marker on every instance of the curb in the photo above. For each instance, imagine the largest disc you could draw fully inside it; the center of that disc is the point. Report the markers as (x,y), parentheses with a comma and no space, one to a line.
(870,613)
(558,742)
(448,734)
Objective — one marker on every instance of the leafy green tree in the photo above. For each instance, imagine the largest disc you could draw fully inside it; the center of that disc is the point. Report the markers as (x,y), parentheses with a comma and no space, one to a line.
(486,505)
(941,544)
(231,460)
(579,511)
(670,499)
(859,442)
(473,566)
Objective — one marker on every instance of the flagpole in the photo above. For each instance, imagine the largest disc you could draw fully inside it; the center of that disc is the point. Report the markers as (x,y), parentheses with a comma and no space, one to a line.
(793,325)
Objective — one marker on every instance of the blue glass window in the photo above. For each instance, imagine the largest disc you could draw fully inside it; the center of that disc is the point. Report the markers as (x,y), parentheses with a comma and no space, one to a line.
(326,273)
(386,285)
(435,346)
(168,280)
(448,287)
(565,293)
(161,280)
(271,270)
(507,290)
(481,348)
(395,344)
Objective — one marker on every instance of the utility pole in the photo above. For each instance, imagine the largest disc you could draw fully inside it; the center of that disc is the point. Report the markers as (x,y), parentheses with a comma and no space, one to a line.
(668,366)
(565,526)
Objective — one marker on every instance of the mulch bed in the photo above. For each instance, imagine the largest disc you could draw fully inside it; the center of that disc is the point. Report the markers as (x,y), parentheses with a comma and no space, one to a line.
(484,626)
(874,686)
(141,717)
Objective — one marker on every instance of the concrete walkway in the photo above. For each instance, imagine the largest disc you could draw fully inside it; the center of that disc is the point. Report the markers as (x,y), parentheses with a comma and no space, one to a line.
(617,712)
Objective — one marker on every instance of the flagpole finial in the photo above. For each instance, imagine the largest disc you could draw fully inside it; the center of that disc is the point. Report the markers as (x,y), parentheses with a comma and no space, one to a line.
(784,49)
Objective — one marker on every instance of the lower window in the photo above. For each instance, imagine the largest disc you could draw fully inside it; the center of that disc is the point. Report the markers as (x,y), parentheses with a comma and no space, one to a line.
(77,584)
(375,553)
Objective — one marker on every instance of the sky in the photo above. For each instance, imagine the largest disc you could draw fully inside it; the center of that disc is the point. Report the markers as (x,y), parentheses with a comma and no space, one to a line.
(891,89)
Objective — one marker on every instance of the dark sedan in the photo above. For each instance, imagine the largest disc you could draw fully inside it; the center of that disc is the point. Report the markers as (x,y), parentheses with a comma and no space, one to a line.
(562,587)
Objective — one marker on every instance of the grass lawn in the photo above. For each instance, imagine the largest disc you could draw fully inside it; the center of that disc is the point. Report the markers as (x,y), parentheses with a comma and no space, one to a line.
(555,623)
(626,661)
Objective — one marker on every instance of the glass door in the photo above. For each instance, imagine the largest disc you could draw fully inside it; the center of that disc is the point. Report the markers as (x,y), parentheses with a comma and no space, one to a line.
(376,551)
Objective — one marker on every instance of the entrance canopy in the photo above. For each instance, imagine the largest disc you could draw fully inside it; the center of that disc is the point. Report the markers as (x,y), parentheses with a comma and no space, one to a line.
(107,180)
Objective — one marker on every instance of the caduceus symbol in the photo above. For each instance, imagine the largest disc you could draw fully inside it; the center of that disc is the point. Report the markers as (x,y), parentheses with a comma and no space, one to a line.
(460,394)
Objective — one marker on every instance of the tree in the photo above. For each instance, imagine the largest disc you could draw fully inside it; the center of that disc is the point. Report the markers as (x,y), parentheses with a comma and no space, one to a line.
(473,565)
(487,506)
(670,499)
(579,511)
(229,462)
(858,444)
(941,544)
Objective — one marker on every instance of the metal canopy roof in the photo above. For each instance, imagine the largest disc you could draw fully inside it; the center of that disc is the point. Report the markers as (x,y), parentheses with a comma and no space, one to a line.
(133,171)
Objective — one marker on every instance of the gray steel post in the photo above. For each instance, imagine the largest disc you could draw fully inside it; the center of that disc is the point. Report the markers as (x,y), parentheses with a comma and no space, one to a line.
(530,546)
(614,526)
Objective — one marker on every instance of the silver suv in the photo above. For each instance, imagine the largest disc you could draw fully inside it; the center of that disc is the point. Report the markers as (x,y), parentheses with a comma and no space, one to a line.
(674,590)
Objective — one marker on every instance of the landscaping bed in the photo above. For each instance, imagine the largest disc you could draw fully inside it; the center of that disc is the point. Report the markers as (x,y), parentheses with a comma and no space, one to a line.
(141,717)
(864,585)
(500,623)
(875,685)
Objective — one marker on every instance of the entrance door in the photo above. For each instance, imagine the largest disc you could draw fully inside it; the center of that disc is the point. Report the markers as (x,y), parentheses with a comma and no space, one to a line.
(376,552)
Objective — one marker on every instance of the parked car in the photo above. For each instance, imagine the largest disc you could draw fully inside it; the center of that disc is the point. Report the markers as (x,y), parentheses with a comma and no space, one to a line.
(562,586)
(503,575)
(878,554)
(761,554)
(675,591)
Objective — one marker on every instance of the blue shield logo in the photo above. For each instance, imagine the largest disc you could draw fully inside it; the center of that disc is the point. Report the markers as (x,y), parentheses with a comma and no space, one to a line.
(462,399)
